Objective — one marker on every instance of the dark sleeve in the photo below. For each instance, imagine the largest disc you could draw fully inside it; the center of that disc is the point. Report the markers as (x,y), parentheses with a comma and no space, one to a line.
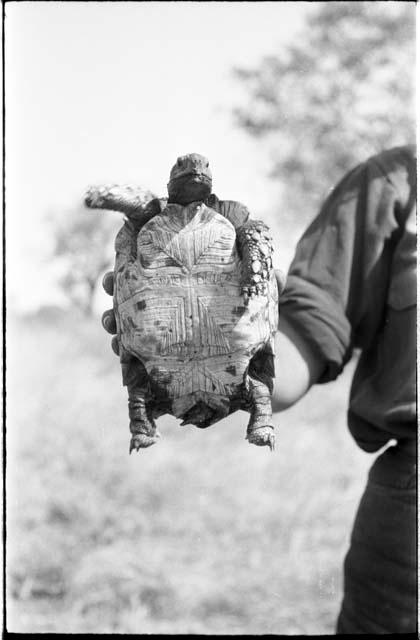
(338,281)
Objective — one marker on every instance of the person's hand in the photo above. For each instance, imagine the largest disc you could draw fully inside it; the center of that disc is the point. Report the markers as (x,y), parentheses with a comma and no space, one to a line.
(109,322)
(125,247)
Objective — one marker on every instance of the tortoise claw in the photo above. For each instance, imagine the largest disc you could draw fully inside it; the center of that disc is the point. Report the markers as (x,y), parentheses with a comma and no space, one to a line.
(251,291)
(263,436)
(142,441)
(94,197)
(248,291)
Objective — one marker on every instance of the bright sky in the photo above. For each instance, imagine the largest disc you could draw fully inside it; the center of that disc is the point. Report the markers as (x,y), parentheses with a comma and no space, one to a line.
(114,92)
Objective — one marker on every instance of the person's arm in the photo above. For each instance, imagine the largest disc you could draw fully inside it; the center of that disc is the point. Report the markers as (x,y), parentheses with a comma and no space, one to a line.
(297,366)
(337,285)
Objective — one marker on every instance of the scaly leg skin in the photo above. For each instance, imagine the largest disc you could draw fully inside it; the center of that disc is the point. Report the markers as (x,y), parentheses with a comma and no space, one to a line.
(142,426)
(260,429)
(137,203)
(256,248)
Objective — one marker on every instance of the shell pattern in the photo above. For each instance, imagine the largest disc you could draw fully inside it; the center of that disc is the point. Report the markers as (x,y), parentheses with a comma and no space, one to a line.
(180,308)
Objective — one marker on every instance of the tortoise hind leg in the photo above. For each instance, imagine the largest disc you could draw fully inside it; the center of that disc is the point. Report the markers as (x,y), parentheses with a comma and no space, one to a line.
(260,429)
(140,404)
(142,426)
(259,385)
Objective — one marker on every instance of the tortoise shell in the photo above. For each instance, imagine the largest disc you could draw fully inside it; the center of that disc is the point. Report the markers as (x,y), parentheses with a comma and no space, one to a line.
(180,309)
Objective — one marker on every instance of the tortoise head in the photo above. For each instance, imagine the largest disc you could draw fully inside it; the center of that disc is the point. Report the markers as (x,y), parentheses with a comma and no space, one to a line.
(190,179)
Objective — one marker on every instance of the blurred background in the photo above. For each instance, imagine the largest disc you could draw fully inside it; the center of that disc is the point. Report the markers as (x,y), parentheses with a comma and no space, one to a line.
(201,533)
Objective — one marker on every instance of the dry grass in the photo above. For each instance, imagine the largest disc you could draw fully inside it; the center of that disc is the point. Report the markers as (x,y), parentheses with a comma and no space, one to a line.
(200,534)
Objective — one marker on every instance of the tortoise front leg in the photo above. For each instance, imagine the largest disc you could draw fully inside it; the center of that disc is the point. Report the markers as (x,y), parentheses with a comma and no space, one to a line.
(137,203)
(256,248)
(260,429)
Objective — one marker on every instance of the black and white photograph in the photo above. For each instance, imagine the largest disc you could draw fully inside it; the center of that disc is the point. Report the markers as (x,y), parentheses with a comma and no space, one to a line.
(209,318)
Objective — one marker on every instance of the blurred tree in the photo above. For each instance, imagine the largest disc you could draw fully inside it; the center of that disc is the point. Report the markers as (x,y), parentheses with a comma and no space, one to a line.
(83,245)
(343,91)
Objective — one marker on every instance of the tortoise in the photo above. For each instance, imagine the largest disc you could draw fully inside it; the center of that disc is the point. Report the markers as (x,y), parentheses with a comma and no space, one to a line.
(195,305)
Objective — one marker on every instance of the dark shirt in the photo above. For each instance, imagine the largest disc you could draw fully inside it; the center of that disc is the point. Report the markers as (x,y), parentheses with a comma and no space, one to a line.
(352,284)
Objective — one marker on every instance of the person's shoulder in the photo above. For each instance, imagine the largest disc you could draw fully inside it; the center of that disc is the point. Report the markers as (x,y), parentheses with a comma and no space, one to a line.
(395,159)
(397,167)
